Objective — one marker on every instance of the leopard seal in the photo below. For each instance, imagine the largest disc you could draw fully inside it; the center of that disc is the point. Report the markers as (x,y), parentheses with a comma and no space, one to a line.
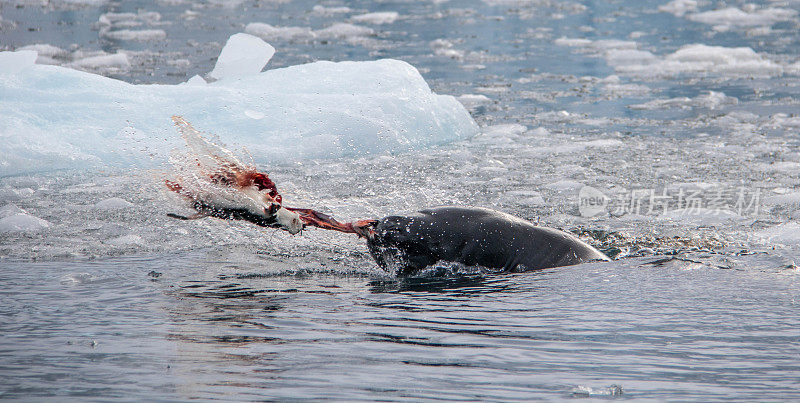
(473,236)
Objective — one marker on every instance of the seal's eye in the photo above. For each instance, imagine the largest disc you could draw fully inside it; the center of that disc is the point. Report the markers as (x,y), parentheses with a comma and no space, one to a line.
(273,209)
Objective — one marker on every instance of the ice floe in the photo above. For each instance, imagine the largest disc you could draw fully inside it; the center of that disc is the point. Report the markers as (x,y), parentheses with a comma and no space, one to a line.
(695,59)
(56,117)
(378,18)
(243,55)
(751,16)
(117,26)
(679,7)
(322,10)
(709,100)
(340,30)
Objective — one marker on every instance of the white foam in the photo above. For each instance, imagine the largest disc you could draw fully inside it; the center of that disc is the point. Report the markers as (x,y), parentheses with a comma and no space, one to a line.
(384,17)
(243,55)
(56,117)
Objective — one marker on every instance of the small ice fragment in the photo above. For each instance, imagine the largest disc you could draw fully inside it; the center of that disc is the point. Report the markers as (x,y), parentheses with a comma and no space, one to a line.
(386,17)
(114,203)
(243,55)
(14,62)
(22,222)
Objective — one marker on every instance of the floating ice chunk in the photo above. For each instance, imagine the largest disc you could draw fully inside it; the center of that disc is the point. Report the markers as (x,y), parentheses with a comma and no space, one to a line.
(243,55)
(15,62)
(114,203)
(473,100)
(679,7)
(47,53)
(269,32)
(689,59)
(135,35)
(731,17)
(710,100)
(344,30)
(116,26)
(385,17)
(444,47)
(322,10)
(56,118)
(117,60)
(22,222)
(573,42)
(339,30)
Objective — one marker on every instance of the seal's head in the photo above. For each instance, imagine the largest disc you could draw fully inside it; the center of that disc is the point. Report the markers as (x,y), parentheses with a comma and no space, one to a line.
(398,247)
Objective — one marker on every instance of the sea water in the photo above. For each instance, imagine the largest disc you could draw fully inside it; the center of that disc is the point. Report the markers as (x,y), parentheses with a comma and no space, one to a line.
(662,132)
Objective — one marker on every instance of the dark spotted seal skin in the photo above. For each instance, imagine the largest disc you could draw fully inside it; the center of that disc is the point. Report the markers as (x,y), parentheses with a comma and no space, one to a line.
(473,236)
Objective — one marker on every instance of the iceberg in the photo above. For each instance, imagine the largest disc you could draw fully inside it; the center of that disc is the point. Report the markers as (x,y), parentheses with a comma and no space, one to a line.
(59,118)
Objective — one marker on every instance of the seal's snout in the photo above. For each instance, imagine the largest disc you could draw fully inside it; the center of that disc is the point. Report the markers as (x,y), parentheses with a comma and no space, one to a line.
(289,220)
